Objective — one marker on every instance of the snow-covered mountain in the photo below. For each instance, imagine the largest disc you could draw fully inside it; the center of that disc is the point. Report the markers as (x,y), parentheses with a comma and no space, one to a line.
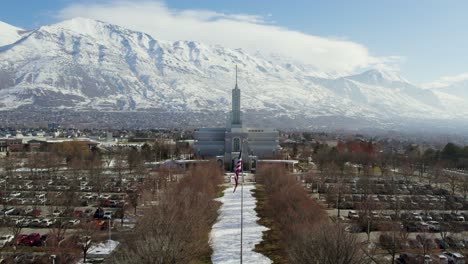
(86,64)
(9,34)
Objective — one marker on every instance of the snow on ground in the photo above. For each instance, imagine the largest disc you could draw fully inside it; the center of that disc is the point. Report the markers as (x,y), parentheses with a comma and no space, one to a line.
(104,248)
(225,236)
(100,251)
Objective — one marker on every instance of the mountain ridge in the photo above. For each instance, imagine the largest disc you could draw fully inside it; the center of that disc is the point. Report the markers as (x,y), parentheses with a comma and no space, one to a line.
(84,64)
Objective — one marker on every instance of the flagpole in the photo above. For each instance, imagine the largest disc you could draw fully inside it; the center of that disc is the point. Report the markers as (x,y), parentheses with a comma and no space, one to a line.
(242,207)
(242,215)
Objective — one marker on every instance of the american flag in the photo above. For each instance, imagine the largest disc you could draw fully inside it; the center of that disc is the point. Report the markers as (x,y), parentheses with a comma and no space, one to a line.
(238,170)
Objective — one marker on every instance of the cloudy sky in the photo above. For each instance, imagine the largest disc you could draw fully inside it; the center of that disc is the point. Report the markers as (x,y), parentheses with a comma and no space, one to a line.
(426,40)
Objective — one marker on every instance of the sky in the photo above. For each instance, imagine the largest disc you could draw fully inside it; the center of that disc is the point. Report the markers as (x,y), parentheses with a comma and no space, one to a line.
(426,40)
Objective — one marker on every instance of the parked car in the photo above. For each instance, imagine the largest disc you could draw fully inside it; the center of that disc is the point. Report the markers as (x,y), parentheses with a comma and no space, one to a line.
(16,221)
(105,196)
(25,222)
(427,217)
(454,243)
(6,240)
(33,212)
(418,218)
(433,226)
(107,215)
(408,258)
(7,210)
(57,213)
(88,211)
(442,259)
(441,243)
(87,196)
(21,201)
(35,223)
(99,213)
(20,238)
(113,203)
(412,227)
(15,194)
(353,215)
(422,226)
(47,222)
(454,257)
(73,222)
(32,239)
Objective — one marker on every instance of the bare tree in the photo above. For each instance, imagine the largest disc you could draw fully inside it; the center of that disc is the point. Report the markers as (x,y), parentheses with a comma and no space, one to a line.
(453,181)
(175,230)
(425,239)
(133,199)
(95,172)
(392,241)
(86,236)
(14,229)
(120,164)
(57,232)
(134,159)
(464,188)
(366,219)
(327,244)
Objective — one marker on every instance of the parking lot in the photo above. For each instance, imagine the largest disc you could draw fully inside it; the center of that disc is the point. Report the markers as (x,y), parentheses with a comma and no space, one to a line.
(431,219)
(42,210)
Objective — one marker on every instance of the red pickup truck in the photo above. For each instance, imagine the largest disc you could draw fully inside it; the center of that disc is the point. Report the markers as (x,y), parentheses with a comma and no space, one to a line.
(33,239)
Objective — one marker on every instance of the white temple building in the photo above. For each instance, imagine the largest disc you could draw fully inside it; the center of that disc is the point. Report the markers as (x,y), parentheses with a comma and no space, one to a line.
(225,144)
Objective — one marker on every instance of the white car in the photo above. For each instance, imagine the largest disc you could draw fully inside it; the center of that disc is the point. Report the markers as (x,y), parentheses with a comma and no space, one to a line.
(21,200)
(88,196)
(35,223)
(107,215)
(455,257)
(47,222)
(6,239)
(105,196)
(56,213)
(8,210)
(73,222)
(353,215)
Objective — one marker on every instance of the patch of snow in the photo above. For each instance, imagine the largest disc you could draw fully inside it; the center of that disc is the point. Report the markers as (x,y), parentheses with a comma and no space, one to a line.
(103,249)
(100,251)
(225,235)
(9,34)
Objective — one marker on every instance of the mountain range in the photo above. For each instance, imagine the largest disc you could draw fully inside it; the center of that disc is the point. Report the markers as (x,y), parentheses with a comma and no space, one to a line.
(88,65)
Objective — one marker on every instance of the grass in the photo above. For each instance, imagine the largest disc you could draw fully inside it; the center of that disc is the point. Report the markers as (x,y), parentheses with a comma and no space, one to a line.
(220,192)
(271,244)
(203,260)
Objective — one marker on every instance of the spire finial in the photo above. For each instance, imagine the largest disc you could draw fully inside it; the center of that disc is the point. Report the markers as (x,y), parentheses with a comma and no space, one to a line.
(236,75)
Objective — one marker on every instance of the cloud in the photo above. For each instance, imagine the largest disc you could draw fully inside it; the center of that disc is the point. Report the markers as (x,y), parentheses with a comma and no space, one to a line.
(249,32)
(446,81)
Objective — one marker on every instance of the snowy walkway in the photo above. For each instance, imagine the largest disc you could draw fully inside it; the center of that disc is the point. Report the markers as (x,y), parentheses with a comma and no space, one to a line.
(225,236)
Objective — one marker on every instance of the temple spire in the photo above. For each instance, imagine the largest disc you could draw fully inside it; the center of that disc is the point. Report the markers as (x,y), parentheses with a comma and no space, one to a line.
(236,77)
(236,111)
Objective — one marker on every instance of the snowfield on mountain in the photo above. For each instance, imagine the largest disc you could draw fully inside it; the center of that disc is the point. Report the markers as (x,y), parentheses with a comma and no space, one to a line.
(84,64)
